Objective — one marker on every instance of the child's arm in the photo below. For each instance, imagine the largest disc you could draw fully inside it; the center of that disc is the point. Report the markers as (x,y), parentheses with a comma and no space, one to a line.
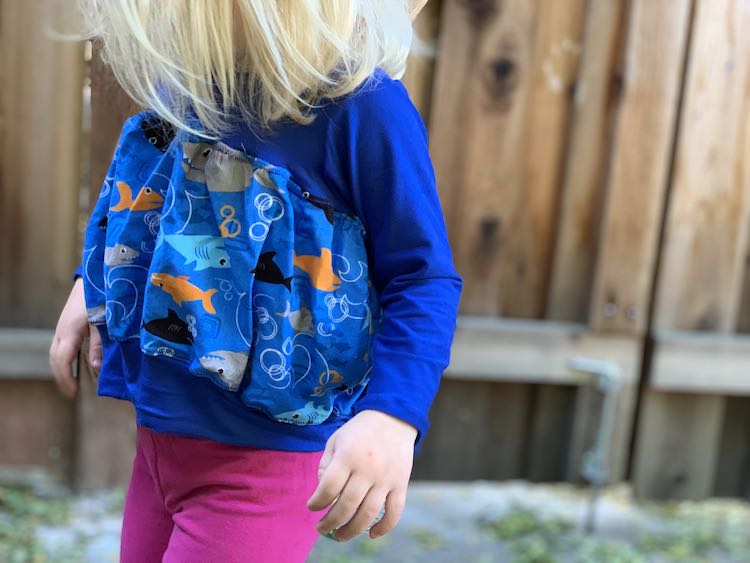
(72,327)
(392,188)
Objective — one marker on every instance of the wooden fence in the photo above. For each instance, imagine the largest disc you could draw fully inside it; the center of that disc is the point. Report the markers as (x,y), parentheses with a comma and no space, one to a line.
(590,156)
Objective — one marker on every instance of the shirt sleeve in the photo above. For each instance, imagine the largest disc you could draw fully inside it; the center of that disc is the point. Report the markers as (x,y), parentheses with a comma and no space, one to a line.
(381,144)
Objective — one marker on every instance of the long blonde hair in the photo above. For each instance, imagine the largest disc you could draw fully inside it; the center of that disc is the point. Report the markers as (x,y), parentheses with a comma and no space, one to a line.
(269,59)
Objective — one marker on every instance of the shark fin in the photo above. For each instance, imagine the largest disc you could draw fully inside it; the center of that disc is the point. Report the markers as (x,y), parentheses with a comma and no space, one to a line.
(126,197)
(207,305)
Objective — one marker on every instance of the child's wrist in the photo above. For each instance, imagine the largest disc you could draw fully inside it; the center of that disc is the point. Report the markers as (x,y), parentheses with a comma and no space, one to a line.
(396,421)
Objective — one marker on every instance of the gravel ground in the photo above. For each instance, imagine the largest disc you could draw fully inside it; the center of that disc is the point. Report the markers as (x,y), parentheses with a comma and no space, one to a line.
(444,522)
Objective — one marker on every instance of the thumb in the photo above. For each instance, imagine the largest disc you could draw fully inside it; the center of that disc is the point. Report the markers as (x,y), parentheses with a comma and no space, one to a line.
(325,460)
(95,348)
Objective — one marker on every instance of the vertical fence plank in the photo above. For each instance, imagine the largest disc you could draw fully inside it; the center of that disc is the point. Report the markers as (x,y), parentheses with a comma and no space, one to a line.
(586,163)
(110,107)
(733,465)
(478,432)
(548,448)
(705,243)
(556,56)
(743,321)
(421,65)
(459,33)
(504,79)
(616,189)
(640,164)
(37,429)
(678,444)
(709,214)
(40,123)
(479,119)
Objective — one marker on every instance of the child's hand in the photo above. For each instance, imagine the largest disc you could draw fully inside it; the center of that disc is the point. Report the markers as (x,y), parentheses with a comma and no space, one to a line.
(366,463)
(72,327)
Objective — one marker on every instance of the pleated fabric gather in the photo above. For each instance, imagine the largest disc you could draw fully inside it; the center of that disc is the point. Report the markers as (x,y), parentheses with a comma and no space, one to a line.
(219,260)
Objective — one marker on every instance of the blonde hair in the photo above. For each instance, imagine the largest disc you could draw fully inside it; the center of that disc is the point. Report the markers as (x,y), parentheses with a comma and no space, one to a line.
(269,59)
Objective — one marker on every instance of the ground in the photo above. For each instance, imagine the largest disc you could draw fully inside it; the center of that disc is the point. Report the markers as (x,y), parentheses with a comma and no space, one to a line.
(477,522)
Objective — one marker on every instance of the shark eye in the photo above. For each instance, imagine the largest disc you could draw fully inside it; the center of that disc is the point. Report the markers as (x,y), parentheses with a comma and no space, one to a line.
(206,153)
(220,370)
(223,262)
(295,415)
(122,250)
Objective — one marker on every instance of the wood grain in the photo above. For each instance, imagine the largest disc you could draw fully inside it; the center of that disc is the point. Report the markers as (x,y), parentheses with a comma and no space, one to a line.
(38,424)
(534,351)
(682,437)
(701,363)
(40,122)
(502,99)
(709,212)
(420,70)
(552,412)
(586,162)
(733,463)
(703,259)
(640,164)
(478,432)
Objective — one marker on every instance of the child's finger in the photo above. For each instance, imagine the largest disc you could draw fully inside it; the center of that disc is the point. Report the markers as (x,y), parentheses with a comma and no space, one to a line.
(331,483)
(364,517)
(394,507)
(62,355)
(95,348)
(346,506)
(327,456)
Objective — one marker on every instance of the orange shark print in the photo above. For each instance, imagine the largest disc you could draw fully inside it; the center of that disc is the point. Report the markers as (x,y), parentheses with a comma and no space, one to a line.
(180,289)
(146,200)
(320,270)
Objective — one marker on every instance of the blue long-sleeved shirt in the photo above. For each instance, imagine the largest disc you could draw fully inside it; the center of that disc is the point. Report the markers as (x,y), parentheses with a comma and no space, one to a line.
(368,154)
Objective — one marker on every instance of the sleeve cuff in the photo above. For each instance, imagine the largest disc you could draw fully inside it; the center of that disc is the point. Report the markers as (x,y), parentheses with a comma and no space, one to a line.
(403,386)
(78,273)
(387,406)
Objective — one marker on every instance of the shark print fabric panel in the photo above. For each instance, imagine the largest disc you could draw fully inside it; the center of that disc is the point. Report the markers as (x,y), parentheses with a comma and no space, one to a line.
(219,261)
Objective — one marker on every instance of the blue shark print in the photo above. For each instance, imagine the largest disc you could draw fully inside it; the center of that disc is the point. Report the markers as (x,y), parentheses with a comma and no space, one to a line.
(202,250)
(309,414)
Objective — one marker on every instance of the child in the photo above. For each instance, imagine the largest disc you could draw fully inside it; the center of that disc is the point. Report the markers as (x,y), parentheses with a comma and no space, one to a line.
(268,272)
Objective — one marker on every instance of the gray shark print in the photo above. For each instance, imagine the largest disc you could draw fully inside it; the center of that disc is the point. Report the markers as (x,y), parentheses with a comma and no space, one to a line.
(228,366)
(119,255)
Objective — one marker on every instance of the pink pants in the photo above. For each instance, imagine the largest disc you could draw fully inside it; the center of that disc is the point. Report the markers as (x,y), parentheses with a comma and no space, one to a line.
(193,500)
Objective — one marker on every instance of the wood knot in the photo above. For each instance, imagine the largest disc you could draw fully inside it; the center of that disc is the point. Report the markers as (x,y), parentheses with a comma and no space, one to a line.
(480,12)
(503,69)
(488,245)
(489,230)
(501,77)
(617,86)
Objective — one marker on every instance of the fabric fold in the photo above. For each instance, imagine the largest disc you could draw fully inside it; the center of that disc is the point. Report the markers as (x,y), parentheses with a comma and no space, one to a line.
(220,261)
